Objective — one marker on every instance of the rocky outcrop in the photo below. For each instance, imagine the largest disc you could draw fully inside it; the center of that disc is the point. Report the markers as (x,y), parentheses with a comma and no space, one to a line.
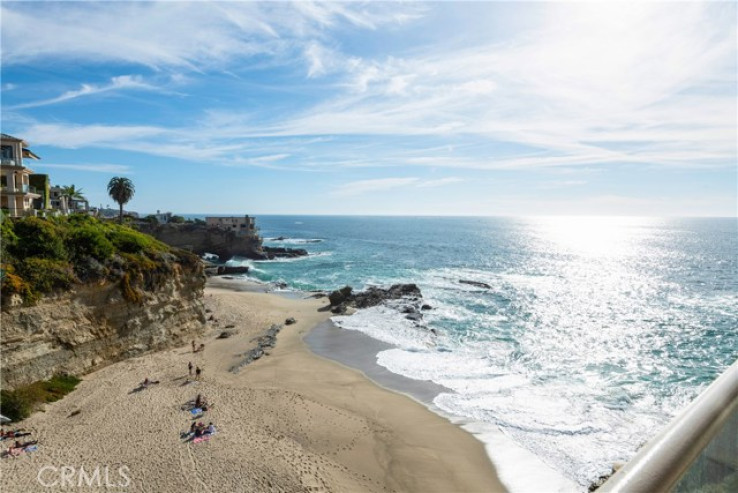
(94,325)
(278,252)
(202,239)
(410,294)
(477,284)
(263,344)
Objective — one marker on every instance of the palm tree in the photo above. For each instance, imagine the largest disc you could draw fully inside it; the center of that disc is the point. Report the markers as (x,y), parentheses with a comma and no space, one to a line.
(68,194)
(121,190)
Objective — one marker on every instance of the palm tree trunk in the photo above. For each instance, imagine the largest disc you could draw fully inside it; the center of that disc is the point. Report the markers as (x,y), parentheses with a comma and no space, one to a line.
(121,213)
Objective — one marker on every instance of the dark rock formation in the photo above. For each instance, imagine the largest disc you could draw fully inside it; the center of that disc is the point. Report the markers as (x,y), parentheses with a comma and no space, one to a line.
(202,239)
(266,341)
(476,283)
(278,252)
(290,321)
(426,307)
(344,297)
(340,296)
(374,296)
(232,269)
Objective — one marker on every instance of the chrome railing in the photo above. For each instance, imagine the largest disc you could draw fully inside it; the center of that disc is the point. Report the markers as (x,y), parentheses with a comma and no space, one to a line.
(698,450)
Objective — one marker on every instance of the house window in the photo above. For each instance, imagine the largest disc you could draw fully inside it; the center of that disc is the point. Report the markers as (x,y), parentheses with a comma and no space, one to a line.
(7,152)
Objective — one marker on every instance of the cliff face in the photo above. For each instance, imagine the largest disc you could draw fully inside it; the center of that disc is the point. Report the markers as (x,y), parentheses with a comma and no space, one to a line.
(202,239)
(93,325)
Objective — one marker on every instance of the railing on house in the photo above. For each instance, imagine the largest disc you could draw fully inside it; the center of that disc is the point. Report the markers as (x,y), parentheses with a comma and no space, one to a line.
(20,189)
(698,451)
(11,162)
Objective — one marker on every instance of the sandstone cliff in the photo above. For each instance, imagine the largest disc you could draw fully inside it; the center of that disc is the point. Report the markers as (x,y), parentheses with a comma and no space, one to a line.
(202,239)
(92,325)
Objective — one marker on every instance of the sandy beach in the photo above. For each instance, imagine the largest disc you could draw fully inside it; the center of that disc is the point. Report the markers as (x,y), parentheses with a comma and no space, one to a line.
(290,421)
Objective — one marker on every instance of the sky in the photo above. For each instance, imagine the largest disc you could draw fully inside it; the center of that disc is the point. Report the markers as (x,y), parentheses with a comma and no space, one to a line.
(386,108)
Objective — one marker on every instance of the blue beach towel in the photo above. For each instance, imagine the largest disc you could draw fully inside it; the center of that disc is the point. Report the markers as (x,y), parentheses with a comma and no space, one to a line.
(196,411)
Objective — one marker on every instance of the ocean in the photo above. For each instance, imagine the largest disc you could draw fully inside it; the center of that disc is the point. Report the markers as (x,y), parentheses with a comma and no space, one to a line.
(594,331)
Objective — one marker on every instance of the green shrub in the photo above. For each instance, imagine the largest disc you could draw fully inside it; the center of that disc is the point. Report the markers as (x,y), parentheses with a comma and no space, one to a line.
(89,241)
(18,404)
(14,284)
(8,238)
(44,275)
(38,238)
(14,405)
(129,241)
(59,386)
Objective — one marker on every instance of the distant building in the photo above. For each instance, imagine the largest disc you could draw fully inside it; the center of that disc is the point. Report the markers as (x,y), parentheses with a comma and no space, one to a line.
(17,195)
(58,200)
(162,217)
(241,225)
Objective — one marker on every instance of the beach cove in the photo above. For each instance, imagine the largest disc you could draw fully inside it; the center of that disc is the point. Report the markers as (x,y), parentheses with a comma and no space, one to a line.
(291,421)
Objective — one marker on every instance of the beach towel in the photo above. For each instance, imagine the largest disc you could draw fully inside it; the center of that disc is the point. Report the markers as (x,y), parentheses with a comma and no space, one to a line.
(196,411)
(32,448)
(203,438)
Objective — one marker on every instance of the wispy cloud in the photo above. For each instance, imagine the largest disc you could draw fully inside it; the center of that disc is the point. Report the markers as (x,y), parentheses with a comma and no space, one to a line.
(591,85)
(95,168)
(191,35)
(365,186)
(439,182)
(381,184)
(121,82)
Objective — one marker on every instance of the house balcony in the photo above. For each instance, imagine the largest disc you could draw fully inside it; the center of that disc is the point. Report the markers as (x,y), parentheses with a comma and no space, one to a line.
(21,190)
(11,162)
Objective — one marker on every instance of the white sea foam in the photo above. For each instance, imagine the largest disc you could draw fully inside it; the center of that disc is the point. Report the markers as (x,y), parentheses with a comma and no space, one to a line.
(310,256)
(559,421)
(294,241)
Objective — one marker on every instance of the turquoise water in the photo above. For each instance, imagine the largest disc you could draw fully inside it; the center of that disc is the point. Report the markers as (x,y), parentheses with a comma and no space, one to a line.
(595,331)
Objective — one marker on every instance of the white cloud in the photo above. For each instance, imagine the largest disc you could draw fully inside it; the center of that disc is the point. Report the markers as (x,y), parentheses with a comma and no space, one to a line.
(584,87)
(439,182)
(96,168)
(75,136)
(121,82)
(593,85)
(364,186)
(191,35)
(380,184)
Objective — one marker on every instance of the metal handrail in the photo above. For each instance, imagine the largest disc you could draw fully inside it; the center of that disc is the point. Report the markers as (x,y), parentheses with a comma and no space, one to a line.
(665,459)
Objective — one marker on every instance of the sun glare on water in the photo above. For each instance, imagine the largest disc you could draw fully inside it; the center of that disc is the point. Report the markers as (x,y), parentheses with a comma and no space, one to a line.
(591,236)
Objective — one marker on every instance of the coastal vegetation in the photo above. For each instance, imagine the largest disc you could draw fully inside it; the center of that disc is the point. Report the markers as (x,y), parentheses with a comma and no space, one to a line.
(41,256)
(121,190)
(18,404)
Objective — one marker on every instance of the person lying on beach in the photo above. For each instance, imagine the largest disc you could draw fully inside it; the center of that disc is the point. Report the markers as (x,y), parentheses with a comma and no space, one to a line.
(148,382)
(20,432)
(210,430)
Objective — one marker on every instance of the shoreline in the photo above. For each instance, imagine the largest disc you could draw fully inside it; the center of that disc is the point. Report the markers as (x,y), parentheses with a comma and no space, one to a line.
(291,421)
(518,469)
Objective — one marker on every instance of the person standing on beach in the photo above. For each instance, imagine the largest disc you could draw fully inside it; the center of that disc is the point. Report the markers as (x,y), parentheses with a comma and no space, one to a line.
(193,345)
(197,372)
(189,367)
